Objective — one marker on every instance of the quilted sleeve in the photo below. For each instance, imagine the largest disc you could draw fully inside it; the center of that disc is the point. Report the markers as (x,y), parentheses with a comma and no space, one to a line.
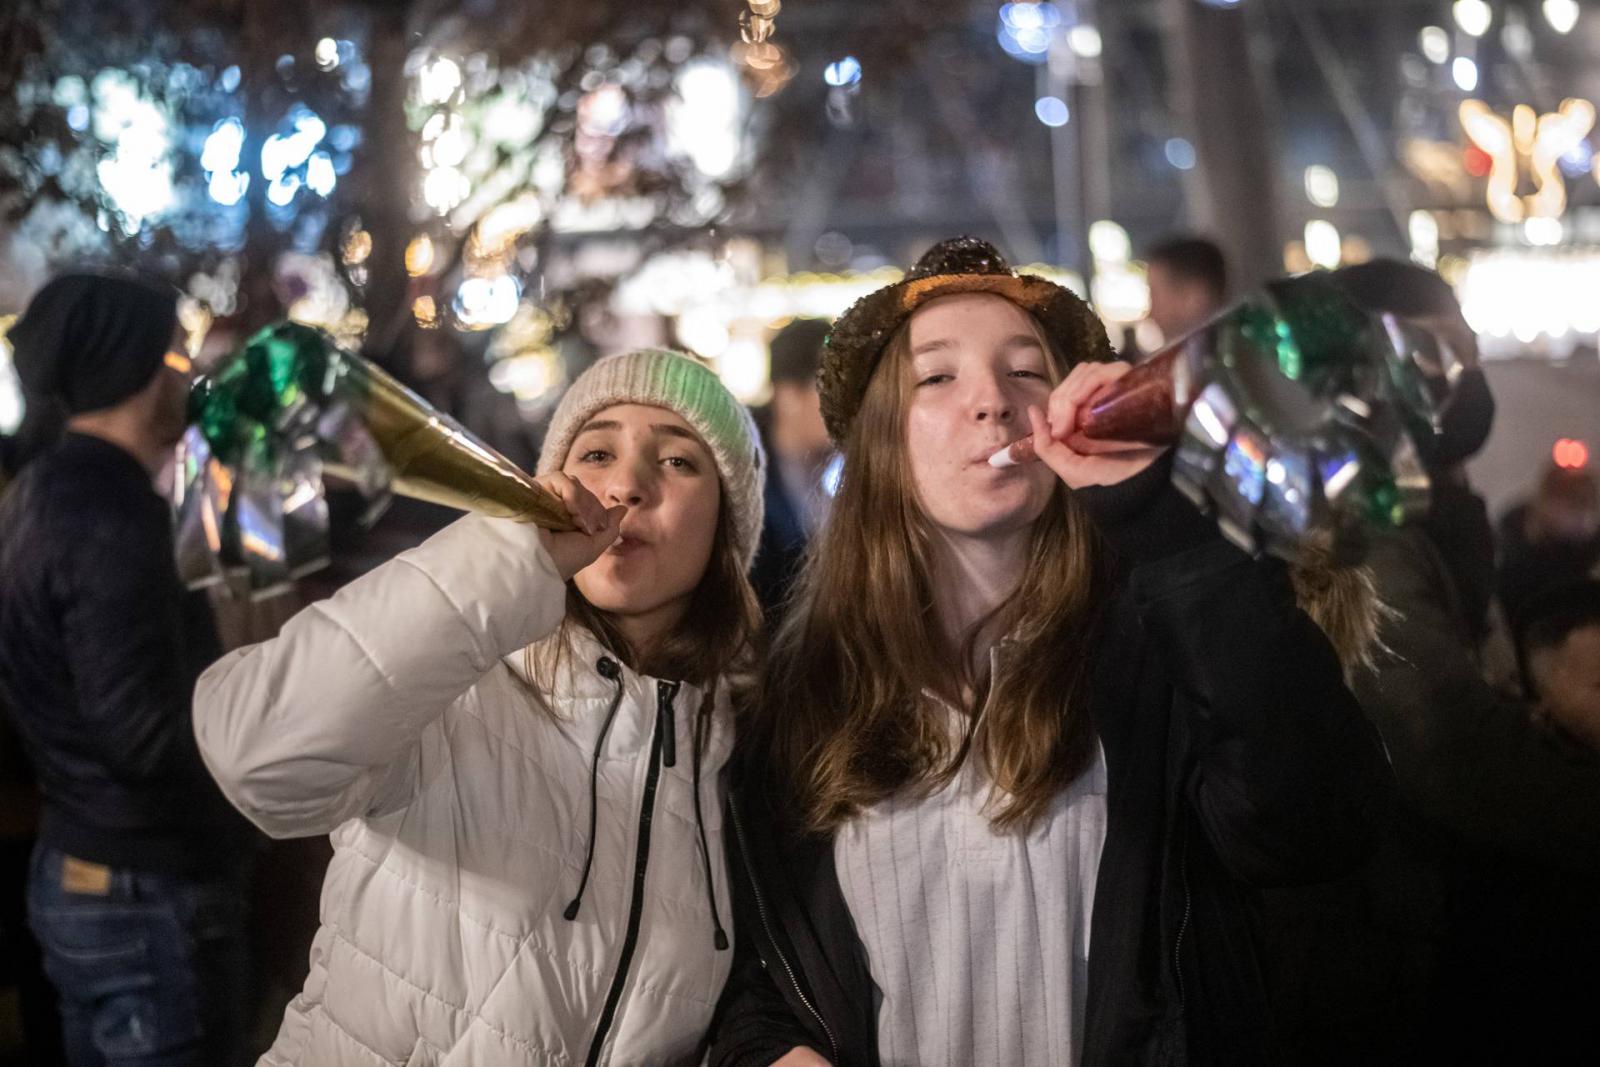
(313,727)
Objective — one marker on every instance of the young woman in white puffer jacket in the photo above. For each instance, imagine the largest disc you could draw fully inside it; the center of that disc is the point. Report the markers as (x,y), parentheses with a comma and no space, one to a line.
(517,741)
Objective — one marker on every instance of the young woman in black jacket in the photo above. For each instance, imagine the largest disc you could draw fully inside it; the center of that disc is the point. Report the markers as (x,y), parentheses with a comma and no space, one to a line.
(1016,712)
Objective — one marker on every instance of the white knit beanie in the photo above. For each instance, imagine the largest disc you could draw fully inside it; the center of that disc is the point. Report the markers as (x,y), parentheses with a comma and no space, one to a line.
(694,392)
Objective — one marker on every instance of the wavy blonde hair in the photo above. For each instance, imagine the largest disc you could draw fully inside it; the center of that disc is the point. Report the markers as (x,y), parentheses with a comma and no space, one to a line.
(843,713)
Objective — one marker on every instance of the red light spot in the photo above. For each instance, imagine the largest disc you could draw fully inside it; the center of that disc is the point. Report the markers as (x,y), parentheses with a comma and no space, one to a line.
(1477,162)
(1570,454)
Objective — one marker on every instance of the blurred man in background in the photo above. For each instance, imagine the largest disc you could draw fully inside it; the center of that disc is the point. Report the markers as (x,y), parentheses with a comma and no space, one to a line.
(1558,648)
(1188,279)
(798,451)
(136,889)
(1550,540)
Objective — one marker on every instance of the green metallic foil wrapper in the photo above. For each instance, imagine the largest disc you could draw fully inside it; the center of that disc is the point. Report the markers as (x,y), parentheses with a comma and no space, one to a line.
(1295,417)
(291,407)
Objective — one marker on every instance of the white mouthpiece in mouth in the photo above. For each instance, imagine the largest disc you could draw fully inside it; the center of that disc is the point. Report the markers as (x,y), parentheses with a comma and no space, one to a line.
(1002,459)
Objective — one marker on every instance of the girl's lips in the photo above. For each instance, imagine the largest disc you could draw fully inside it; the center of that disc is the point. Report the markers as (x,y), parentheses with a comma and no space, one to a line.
(625,545)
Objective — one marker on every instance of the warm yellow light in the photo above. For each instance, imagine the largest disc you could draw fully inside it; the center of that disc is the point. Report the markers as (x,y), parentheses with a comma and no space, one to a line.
(1109,242)
(1524,127)
(426,314)
(419,255)
(1532,142)
(1295,260)
(357,248)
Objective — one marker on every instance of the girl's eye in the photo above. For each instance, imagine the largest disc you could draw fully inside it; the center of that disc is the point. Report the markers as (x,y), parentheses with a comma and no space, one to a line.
(1023,372)
(683,463)
(594,455)
(934,379)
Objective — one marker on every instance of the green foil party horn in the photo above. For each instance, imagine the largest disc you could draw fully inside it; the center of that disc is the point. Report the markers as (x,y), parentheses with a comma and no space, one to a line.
(1293,415)
(290,407)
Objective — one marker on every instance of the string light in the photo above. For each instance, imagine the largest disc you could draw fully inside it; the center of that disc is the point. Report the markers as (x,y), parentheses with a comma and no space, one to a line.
(1051,110)
(1180,153)
(1473,16)
(1323,246)
(1322,186)
(357,248)
(1435,44)
(1085,41)
(759,20)
(846,71)
(419,255)
(1562,15)
(1423,230)
(767,65)
(426,314)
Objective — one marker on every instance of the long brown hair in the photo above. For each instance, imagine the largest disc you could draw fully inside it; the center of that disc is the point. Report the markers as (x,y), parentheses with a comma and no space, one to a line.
(844,715)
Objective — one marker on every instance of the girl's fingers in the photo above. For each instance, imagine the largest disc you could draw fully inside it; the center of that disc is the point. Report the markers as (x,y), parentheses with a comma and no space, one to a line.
(1051,452)
(1077,390)
(1063,411)
(587,513)
(611,522)
(1080,468)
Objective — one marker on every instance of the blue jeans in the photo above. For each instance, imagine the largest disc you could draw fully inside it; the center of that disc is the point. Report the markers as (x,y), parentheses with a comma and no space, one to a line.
(152,969)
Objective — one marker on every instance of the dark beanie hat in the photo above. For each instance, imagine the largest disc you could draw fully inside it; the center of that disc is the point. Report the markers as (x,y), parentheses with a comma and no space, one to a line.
(93,340)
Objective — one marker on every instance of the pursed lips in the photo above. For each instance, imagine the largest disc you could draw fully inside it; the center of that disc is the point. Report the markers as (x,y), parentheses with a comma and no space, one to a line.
(628,541)
(982,458)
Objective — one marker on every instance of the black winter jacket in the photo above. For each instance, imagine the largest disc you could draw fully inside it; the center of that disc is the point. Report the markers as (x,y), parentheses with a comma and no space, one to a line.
(100,647)
(1236,759)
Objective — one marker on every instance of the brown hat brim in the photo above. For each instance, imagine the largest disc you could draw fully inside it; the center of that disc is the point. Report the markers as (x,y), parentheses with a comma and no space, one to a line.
(860,335)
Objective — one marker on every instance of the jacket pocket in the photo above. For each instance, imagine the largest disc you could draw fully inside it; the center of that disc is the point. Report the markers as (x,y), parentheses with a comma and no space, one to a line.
(94,937)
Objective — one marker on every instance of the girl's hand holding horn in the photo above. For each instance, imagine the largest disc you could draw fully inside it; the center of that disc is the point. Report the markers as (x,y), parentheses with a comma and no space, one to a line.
(598,526)
(1077,460)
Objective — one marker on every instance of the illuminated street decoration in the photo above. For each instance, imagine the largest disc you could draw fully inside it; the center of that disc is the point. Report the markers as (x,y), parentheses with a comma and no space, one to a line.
(767,66)
(1516,297)
(1529,143)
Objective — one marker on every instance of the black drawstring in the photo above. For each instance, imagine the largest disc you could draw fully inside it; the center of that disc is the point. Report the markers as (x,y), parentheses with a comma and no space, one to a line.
(608,669)
(669,723)
(720,939)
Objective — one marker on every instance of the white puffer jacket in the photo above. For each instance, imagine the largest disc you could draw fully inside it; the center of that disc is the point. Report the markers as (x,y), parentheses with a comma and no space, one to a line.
(397,716)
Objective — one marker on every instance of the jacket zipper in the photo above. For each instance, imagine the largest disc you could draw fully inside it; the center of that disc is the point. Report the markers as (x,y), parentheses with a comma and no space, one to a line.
(665,691)
(761,910)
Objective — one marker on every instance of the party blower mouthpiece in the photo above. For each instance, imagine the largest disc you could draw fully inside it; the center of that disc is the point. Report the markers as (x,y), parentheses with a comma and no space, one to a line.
(290,407)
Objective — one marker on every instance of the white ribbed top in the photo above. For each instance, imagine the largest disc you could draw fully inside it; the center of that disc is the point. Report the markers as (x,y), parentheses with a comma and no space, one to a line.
(978,942)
